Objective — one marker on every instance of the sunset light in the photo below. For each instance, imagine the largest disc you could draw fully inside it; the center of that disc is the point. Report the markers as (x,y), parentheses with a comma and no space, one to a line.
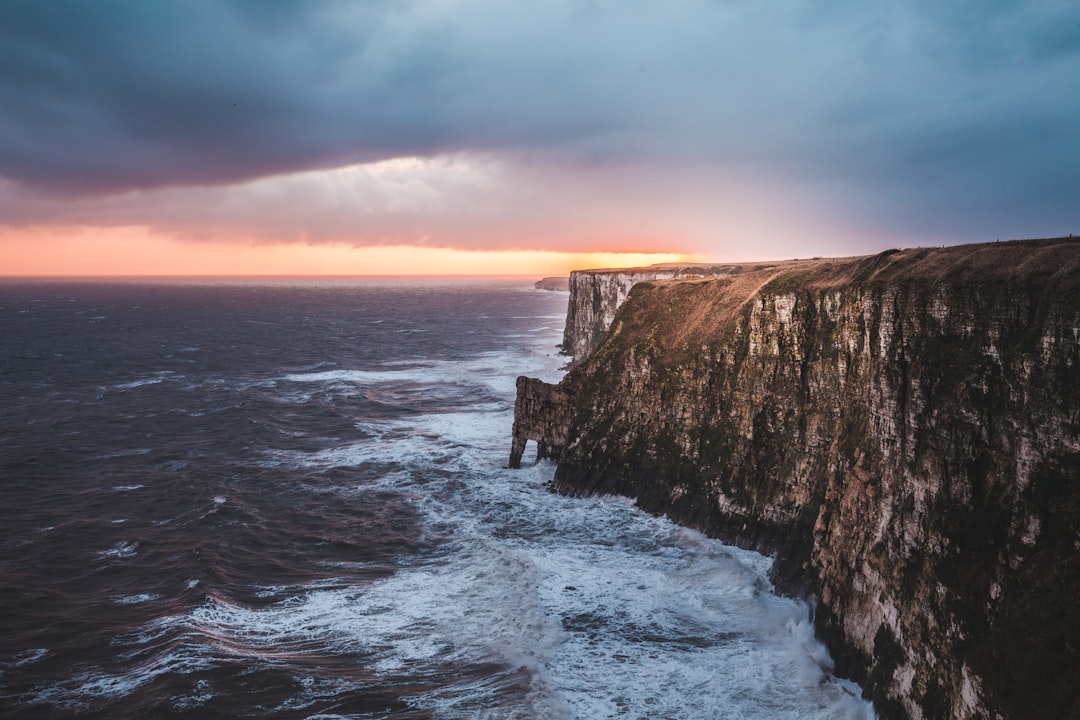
(570,359)
(474,137)
(135,251)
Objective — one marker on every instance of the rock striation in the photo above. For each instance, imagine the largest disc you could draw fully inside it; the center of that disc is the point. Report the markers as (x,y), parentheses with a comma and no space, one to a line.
(902,431)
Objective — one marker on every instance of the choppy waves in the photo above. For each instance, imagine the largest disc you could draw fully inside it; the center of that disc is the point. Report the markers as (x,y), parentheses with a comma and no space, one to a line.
(302,538)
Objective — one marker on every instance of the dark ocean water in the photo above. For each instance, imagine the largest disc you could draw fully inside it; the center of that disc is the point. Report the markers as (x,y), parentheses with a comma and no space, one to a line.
(289,500)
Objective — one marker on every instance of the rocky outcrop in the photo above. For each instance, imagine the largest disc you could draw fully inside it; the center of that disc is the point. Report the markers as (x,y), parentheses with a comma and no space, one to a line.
(902,431)
(541,414)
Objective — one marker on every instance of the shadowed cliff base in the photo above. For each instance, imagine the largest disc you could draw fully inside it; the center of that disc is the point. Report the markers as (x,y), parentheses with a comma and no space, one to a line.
(901,430)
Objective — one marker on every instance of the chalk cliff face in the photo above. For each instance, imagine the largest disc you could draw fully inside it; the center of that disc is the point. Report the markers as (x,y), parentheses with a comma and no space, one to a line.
(903,431)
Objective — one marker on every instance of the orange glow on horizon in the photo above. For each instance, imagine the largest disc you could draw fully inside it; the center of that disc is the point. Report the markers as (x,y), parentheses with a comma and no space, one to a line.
(136,251)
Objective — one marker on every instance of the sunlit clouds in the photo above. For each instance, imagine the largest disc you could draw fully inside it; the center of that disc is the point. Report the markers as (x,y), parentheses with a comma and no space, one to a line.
(726,130)
(138,251)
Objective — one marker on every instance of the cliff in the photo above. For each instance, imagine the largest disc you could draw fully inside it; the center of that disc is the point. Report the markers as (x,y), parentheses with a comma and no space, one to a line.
(902,431)
(554,284)
(595,295)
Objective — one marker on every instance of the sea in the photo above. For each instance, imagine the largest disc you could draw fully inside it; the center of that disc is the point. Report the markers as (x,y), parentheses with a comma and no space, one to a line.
(290,499)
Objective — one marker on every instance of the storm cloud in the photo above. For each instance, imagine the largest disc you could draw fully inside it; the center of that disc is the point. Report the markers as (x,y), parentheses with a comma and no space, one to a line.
(920,120)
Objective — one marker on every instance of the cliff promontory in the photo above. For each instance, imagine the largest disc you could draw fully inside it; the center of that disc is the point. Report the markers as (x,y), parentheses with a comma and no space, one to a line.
(595,295)
(902,431)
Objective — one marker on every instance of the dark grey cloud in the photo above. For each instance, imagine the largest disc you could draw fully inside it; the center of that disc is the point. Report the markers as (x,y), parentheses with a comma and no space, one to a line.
(102,96)
(934,120)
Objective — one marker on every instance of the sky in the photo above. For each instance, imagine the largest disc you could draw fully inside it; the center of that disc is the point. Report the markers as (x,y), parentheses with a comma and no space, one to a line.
(482,136)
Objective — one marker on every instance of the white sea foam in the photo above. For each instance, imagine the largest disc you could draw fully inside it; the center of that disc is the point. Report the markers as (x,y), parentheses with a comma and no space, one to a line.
(137,598)
(359,377)
(201,695)
(99,684)
(139,383)
(535,605)
(28,657)
(609,612)
(153,379)
(122,550)
(606,612)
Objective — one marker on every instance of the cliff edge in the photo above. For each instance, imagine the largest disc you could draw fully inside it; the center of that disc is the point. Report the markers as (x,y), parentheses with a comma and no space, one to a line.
(901,430)
(595,296)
